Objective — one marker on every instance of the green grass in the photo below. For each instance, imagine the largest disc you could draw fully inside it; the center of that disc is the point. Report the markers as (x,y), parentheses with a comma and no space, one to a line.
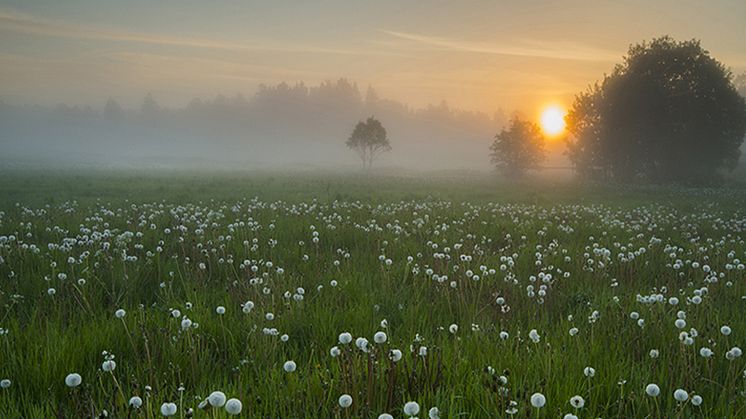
(266,217)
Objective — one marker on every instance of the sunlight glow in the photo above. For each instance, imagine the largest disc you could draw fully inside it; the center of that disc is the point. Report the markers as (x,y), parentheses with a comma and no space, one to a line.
(553,120)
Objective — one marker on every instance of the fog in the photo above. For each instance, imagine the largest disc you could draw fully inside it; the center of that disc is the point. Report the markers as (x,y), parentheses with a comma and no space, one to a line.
(279,126)
(257,85)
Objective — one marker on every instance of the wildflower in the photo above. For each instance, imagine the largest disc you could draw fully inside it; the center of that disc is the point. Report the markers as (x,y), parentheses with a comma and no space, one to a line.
(385,416)
(395,355)
(247,307)
(577,402)
(534,335)
(186,323)
(654,353)
(538,400)
(345,338)
(168,409)
(453,328)
(733,353)
(725,330)
(334,351)
(680,395)
(109,365)
(216,399)
(696,400)
(574,331)
(512,408)
(589,372)
(362,344)
(380,337)
(73,380)
(411,408)
(705,352)
(135,402)
(433,413)
(289,366)
(220,310)
(652,390)
(233,406)
(345,401)
(120,313)
(4,383)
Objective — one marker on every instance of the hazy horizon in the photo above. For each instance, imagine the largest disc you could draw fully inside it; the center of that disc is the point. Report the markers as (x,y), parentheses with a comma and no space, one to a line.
(496,56)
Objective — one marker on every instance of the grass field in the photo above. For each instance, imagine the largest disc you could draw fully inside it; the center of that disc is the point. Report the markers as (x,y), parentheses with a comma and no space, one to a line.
(486,295)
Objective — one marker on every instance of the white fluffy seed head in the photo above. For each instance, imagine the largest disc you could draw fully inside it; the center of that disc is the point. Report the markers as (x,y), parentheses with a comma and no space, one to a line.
(345,401)
(345,338)
(680,395)
(109,365)
(652,390)
(73,380)
(411,408)
(233,406)
(216,399)
(538,400)
(168,409)
(135,402)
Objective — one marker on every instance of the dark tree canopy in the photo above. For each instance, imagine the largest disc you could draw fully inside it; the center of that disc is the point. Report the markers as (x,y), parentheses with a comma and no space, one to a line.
(669,112)
(518,148)
(369,141)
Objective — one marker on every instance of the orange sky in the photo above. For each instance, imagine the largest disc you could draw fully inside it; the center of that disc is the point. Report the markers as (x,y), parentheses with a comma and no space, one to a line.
(476,55)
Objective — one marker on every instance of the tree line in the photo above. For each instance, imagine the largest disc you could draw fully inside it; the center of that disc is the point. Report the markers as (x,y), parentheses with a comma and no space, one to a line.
(669,112)
(280,124)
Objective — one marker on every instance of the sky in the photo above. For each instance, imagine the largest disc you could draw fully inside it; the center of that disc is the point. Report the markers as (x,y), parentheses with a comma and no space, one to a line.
(476,55)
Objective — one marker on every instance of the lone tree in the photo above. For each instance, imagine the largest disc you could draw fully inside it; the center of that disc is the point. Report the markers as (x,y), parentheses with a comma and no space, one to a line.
(668,113)
(518,148)
(369,141)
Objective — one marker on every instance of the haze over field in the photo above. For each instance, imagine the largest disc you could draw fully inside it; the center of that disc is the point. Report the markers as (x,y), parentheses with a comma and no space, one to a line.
(262,84)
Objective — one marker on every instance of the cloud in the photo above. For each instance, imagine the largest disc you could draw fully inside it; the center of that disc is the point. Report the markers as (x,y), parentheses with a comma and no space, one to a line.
(561,51)
(24,23)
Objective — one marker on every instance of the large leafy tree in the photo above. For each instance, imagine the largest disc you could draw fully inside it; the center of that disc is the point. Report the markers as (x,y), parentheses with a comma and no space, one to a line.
(369,140)
(669,112)
(518,148)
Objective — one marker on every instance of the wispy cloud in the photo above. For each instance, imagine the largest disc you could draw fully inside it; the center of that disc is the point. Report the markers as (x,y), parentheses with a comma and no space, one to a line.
(561,51)
(11,20)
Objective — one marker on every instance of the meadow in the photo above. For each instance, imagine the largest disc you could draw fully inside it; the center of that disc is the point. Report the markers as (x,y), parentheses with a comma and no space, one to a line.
(323,295)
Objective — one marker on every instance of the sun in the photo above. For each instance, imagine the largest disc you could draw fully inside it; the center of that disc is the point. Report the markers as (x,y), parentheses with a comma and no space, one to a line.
(553,120)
